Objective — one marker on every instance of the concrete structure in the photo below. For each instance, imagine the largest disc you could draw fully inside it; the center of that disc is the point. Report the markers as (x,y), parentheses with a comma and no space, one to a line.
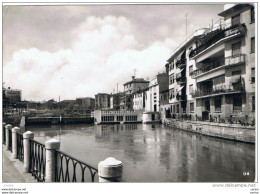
(14,141)
(26,147)
(102,101)
(50,145)
(225,67)
(110,170)
(116,117)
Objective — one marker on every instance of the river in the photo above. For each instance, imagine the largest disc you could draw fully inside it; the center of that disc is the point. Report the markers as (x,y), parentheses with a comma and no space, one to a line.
(156,153)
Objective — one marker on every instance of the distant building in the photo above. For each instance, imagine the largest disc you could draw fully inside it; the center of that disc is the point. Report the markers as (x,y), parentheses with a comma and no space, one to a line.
(86,103)
(12,96)
(158,84)
(115,101)
(130,87)
(102,101)
(139,99)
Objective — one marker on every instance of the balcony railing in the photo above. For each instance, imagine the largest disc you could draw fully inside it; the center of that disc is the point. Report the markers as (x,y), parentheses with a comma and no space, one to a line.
(223,89)
(232,60)
(218,35)
(181,63)
(181,80)
(181,97)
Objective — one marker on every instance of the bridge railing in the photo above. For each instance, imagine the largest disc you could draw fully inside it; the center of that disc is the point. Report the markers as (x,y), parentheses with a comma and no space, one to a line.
(48,164)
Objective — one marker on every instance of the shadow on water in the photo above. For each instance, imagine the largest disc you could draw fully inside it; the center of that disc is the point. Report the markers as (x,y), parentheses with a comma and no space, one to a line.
(155,153)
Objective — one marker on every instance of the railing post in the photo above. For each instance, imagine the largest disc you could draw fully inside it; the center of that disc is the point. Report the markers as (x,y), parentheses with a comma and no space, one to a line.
(110,170)
(3,133)
(14,141)
(7,128)
(26,146)
(50,145)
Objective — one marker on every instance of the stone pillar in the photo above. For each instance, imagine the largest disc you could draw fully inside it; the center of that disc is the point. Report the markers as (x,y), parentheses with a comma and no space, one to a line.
(110,170)
(50,145)
(14,141)
(7,127)
(3,132)
(26,146)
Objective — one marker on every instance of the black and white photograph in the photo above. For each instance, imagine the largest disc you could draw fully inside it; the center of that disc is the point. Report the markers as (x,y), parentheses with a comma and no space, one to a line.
(129,93)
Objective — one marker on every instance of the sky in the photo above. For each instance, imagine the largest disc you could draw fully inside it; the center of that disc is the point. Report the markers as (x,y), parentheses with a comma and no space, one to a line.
(76,51)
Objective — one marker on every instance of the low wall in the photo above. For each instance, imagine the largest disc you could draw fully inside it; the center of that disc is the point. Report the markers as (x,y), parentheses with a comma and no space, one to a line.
(56,120)
(226,131)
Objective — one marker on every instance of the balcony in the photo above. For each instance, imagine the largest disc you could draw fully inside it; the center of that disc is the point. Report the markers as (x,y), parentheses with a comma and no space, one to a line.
(181,97)
(181,63)
(181,80)
(229,61)
(214,36)
(219,90)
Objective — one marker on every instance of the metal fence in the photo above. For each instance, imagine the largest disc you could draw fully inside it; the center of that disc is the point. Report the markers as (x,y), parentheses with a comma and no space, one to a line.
(20,150)
(37,160)
(70,169)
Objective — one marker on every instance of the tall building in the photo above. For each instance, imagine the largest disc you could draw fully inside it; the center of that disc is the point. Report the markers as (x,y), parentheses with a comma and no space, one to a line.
(102,101)
(225,66)
(115,101)
(86,103)
(12,96)
(212,74)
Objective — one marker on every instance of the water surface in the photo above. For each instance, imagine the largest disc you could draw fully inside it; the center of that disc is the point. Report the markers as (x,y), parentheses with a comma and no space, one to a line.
(155,153)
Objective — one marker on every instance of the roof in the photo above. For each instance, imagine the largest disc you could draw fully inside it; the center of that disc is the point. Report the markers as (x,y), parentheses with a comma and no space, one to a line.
(137,80)
(234,9)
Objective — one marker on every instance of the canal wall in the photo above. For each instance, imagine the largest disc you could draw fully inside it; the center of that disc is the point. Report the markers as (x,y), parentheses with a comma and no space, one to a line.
(57,120)
(219,130)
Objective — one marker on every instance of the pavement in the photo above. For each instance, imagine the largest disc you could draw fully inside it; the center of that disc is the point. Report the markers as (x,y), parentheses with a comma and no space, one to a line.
(12,169)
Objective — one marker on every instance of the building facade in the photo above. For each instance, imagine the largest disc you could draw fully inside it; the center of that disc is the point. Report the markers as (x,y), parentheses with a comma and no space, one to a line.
(102,101)
(212,74)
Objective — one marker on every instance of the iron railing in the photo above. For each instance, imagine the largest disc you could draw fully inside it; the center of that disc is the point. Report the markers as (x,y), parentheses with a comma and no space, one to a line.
(37,160)
(213,37)
(4,135)
(181,80)
(10,139)
(70,169)
(181,63)
(20,150)
(222,89)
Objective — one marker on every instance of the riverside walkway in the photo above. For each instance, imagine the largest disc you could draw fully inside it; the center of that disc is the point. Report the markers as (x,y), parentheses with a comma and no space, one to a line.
(12,170)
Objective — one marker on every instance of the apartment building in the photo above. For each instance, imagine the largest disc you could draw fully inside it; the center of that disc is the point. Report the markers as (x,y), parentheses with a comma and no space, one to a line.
(102,101)
(224,69)
(139,99)
(181,85)
(212,74)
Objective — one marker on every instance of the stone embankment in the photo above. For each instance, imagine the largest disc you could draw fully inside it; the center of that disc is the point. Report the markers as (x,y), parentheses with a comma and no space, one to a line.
(220,130)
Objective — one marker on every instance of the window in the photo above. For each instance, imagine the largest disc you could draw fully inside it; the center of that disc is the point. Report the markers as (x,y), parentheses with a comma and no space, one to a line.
(192,107)
(217,104)
(236,72)
(253,103)
(237,102)
(191,69)
(173,108)
(236,49)
(253,15)
(191,89)
(236,20)
(253,75)
(253,45)
(178,108)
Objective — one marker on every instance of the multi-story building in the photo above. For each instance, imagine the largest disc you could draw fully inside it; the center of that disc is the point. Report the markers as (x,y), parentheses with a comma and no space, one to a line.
(139,99)
(102,101)
(181,85)
(224,68)
(85,103)
(212,74)
(130,87)
(158,84)
(12,96)
(115,101)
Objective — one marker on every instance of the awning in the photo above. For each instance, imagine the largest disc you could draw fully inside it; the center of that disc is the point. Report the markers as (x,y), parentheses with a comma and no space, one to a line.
(179,89)
(235,79)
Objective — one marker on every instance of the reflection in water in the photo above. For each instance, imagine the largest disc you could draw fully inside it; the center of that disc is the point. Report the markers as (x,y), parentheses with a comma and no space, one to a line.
(154,153)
